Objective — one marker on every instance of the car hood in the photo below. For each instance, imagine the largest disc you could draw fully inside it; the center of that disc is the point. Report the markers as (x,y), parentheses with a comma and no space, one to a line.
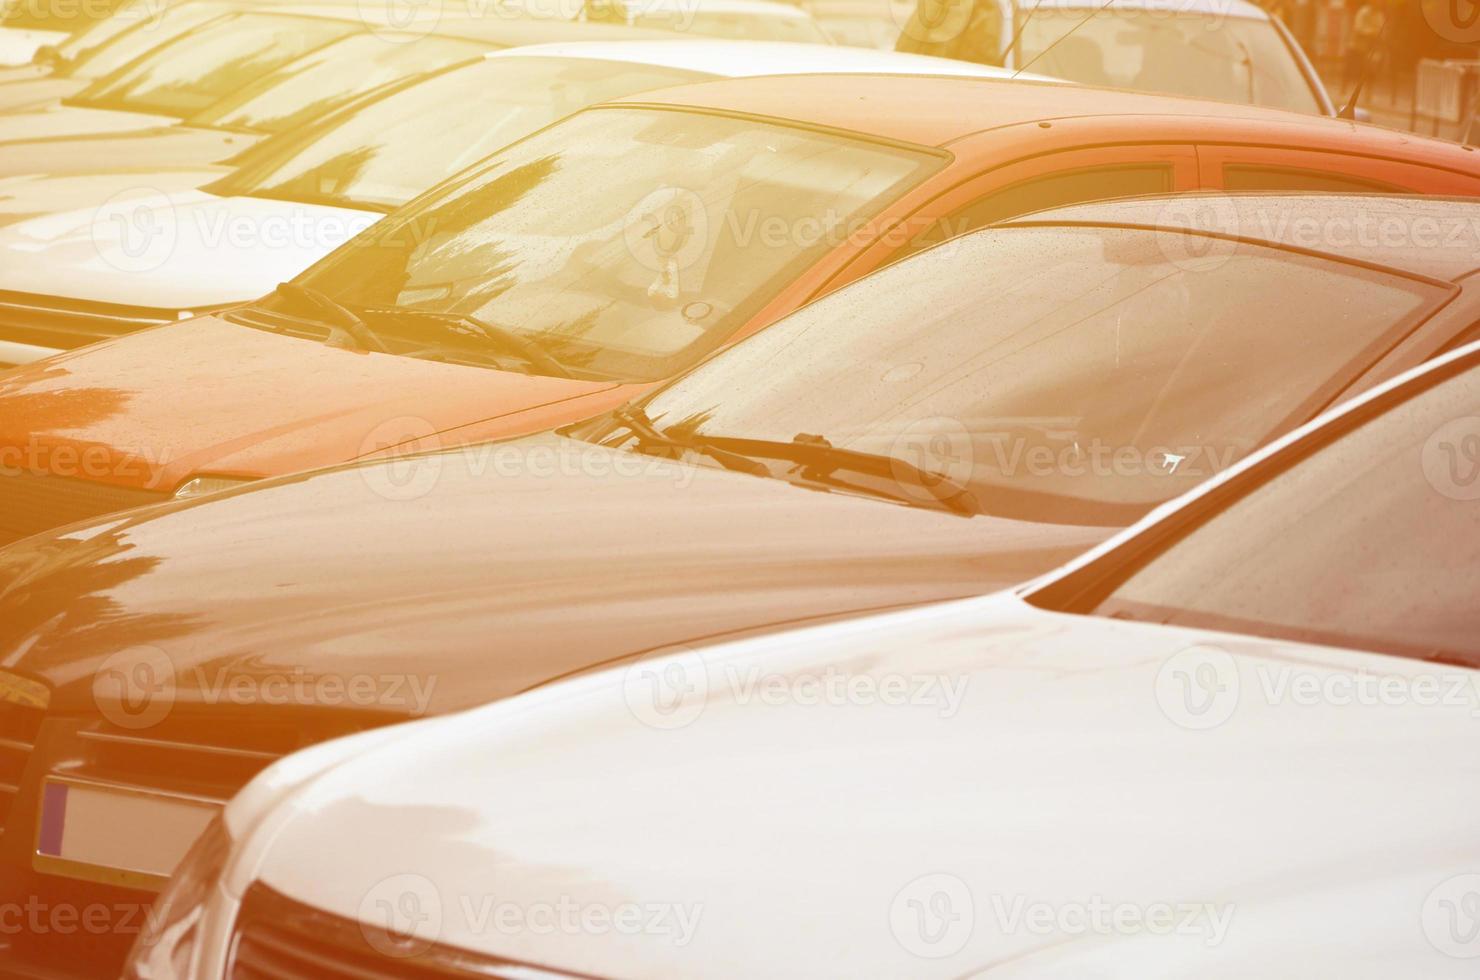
(475,574)
(914,834)
(143,151)
(151,247)
(211,395)
(36,194)
(38,91)
(65,120)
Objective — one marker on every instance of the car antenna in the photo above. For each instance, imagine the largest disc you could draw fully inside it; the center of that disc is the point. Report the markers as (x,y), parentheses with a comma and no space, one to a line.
(1349,111)
(1086,19)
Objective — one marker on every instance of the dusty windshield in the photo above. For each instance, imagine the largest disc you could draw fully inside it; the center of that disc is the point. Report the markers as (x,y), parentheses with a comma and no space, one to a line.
(626,242)
(190,73)
(330,77)
(383,154)
(135,30)
(1064,375)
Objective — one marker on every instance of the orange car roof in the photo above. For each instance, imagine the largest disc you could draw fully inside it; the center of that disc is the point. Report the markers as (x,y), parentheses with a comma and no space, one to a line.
(933,110)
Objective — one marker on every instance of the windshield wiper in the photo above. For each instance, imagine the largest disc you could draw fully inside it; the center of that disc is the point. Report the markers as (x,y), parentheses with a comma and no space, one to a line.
(342,318)
(494,334)
(820,460)
(636,421)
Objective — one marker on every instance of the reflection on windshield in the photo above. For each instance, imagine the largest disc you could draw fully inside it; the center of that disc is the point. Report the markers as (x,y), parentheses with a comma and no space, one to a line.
(1230,59)
(626,242)
(110,44)
(330,77)
(1065,375)
(188,74)
(386,153)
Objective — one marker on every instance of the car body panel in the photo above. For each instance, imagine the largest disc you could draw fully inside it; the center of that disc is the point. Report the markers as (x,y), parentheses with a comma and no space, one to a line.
(1055,776)
(64,120)
(34,195)
(37,93)
(19,45)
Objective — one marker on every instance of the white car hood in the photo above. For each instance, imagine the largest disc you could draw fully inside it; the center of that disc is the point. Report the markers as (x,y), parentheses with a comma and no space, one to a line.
(71,120)
(34,195)
(805,839)
(18,45)
(187,249)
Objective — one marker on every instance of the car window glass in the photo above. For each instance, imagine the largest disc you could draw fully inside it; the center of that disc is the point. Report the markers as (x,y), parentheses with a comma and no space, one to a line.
(1244,177)
(1051,191)
(131,34)
(1071,375)
(1373,542)
(190,73)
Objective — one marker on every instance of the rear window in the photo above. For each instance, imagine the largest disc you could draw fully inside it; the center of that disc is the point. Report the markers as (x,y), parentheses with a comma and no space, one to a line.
(1242,177)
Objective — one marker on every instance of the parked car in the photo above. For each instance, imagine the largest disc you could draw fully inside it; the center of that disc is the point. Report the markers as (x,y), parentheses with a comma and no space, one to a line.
(1121,771)
(795,188)
(883,447)
(1231,50)
(176,80)
(29,25)
(188,153)
(736,20)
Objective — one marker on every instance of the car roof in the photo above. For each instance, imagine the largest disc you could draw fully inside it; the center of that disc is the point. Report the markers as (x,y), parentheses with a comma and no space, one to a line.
(1436,237)
(735,58)
(936,111)
(1211,8)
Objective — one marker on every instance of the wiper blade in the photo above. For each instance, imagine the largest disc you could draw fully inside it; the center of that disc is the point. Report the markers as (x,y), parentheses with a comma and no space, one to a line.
(341,317)
(636,421)
(819,460)
(528,350)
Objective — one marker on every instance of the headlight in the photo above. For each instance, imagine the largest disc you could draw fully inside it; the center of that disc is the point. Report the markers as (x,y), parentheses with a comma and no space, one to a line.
(167,941)
(199,486)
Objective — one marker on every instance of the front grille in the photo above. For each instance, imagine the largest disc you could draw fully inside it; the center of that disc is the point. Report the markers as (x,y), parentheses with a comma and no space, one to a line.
(62,323)
(35,502)
(19,727)
(277,938)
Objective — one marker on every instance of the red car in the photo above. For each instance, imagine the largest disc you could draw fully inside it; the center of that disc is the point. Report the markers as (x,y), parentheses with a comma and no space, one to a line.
(682,221)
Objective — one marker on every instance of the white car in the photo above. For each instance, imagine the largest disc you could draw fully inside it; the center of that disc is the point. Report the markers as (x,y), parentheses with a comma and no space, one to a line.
(744,20)
(1236,741)
(1229,50)
(155,248)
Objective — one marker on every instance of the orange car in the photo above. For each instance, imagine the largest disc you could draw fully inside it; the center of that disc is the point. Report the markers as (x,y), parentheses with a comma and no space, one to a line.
(577,268)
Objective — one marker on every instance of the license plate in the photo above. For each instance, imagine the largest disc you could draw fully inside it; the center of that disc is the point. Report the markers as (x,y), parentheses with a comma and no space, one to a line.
(124,837)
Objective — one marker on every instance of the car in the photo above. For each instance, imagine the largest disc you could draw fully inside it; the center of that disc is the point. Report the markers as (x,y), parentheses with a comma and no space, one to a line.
(206,145)
(960,421)
(739,20)
(1235,741)
(858,170)
(177,79)
(26,26)
(1213,49)
(157,233)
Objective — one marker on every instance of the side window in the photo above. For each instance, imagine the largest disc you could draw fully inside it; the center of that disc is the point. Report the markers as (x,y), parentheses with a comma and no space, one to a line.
(1052,191)
(1245,177)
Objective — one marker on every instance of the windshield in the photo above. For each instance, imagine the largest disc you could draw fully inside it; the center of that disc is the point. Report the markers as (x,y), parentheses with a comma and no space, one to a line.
(1372,542)
(383,154)
(1063,375)
(65,16)
(737,26)
(330,77)
(627,242)
(1230,59)
(188,74)
(134,31)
